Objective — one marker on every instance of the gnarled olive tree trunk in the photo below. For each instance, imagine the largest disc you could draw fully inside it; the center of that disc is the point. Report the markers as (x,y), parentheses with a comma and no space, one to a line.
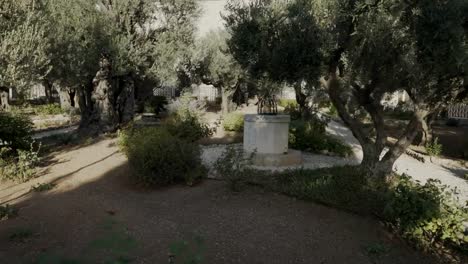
(301,98)
(108,102)
(226,100)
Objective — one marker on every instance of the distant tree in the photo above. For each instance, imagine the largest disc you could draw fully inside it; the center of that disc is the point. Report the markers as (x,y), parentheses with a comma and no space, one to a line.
(212,64)
(97,49)
(369,49)
(24,45)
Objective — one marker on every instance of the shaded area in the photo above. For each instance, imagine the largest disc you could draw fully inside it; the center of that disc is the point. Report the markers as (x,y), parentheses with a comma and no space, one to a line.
(249,227)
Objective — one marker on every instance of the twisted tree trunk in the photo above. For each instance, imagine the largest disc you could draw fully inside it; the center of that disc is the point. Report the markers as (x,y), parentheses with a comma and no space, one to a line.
(301,98)
(109,102)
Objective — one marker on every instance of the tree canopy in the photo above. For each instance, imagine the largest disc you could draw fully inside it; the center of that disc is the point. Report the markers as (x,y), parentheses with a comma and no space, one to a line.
(365,50)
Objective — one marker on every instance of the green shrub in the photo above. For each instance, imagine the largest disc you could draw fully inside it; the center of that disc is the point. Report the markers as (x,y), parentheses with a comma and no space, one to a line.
(433,148)
(427,214)
(159,158)
(293,111)
(288,103)
(15,131)
(156,104)
(341,187)
(233,167)
(234,122)
(48,109)
(188,125)
(310,136)
(19,166)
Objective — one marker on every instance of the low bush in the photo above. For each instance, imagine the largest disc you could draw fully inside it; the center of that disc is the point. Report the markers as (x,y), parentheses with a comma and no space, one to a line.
(48,109)
(310,136)
(159,158)
(233,166)
(234,122)
(434,148)
(188,125)
(19,165)
(292,109)
(427,214)
(15,131)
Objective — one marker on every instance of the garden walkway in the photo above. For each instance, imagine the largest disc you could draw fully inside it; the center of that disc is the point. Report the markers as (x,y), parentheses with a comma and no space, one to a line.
(95,213)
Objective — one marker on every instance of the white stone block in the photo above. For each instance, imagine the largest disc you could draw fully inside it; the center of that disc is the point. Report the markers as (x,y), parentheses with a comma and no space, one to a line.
(266,134)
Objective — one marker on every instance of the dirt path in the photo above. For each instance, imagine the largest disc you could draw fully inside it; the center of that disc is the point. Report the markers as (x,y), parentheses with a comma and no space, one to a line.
(94,213)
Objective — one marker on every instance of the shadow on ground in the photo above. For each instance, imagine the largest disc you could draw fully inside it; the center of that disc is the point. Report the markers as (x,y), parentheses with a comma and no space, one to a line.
(104,217)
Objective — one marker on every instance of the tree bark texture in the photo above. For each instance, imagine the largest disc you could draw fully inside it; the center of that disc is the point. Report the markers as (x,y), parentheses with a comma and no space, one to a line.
(110,102)
(226,100)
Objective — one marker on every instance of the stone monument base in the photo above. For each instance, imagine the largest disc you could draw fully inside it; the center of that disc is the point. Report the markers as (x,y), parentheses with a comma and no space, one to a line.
(291,158)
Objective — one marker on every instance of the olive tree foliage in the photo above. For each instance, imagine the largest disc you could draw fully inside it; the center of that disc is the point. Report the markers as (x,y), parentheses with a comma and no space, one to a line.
(65,43)
(23,44)
(211,63)
(369,48)
(283,43)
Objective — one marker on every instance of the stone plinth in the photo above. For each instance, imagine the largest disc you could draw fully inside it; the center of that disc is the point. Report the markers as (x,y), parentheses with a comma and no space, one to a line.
(267,136)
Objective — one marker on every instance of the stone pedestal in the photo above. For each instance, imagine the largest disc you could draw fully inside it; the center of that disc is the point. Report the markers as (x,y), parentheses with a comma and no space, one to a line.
(267,136)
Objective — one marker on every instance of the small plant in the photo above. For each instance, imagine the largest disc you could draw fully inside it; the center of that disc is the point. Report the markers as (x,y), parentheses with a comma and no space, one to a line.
(43,187)
(22,166)
(21,235)
(234,122)
(233,166)
(434,149)
(7,212)
(159,158)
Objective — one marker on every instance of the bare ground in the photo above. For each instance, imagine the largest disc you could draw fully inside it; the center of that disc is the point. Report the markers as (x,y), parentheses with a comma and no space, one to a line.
(248,227)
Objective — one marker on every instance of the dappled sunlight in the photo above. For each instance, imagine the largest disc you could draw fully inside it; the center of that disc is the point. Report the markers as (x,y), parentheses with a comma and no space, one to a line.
(77,167)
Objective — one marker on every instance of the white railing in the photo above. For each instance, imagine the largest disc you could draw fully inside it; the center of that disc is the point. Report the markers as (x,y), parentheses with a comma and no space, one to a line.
(458,111)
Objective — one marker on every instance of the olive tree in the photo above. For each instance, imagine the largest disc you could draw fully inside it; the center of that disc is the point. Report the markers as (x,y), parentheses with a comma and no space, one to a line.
(24,45)
(212,64)
(99,49)
(370,49)
(285,43)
